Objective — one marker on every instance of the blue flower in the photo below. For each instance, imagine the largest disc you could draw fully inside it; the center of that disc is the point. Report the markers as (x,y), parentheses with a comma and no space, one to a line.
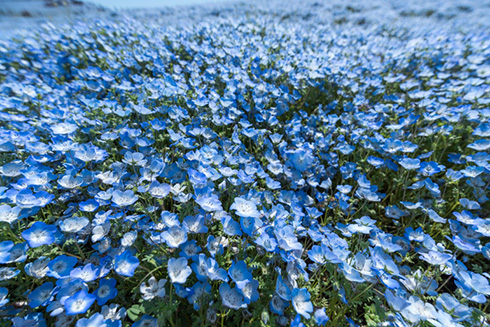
(107,291)
(178,270)
(214,272)
(124,199)
(96,320)
(209,202)
(87,273)
(158,190)
(245,208)
(231,298)
(175,236)
(74,224)
(301,302)
(278,305)
(239,272)
(61,266)
(283,289)
(40,234)
(320,317)
(41,295)
(79,303)
(146,321)
(125,264)
(249,290)
(410,164)
(9,214)
(3,296)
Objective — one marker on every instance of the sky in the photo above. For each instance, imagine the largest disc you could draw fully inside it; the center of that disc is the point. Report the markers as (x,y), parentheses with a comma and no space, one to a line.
(119,4)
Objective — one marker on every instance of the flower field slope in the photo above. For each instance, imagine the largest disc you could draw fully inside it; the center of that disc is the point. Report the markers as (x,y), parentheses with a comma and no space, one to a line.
(249,164)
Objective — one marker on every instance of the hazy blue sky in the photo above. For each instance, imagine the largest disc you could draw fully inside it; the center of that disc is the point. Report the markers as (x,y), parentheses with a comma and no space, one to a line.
(151,3)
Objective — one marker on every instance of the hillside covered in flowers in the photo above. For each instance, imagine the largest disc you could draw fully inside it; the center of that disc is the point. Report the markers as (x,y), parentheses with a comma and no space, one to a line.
(268,163)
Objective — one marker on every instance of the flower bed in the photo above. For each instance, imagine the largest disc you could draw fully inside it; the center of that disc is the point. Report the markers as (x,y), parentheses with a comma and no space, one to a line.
(261,169)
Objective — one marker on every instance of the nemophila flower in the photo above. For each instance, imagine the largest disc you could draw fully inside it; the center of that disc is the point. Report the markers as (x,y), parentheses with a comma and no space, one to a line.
(61,266)
(435,258)
(417,310)
(190,250)
(396,302)
(13,253)
(41,295)
(474,286)
(25,199)
(230,226)
(431,168)
(196,177)
(283,289)
(321,317)
(170,219)
(480,145)
(79,303)
(125,264)
(107,291)
(175,236)
(287,239)
(70,181)
(239,272)
(88,206)
(351,273)
(214,272)
(417,282)
(124,199)
(209,202)
(153,288)
(38,268)
(40,234)
(266,241)
(249,224)
(486,251)
(7,273)
(67,288)
(100,231)
(87,273)
(113,312)
(435,217)
(214,245)
(470,205)
(129,238)
(96,320)
(3,296)
(301,302)
(231,298)
(159,190)
(409,163)
(178,270)
(245,208)
(249,290)
(9,214)
(134,158)
(12,169)
(414,235)
(195,224)
(278,305)
(146,321)
(89,152)
(297,321)
(483,226)
(31,319)
(74,224)
(199,268)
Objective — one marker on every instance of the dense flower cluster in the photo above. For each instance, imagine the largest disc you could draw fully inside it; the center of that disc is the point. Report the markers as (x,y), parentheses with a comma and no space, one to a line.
(262,165)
